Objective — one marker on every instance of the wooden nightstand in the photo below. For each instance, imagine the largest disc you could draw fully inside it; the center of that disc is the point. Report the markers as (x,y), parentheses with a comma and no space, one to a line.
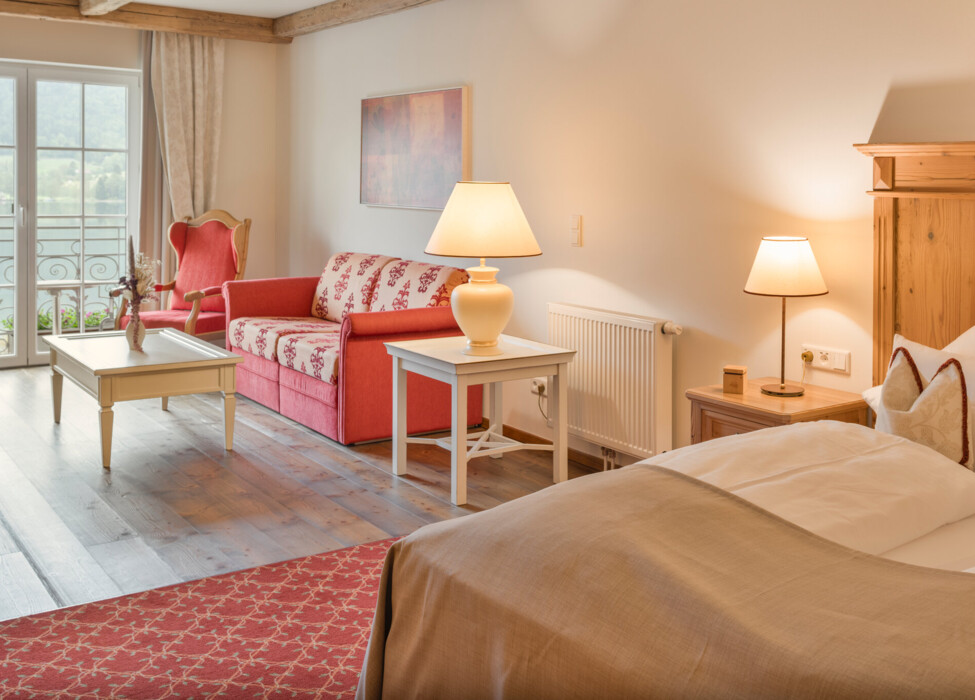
(715,414)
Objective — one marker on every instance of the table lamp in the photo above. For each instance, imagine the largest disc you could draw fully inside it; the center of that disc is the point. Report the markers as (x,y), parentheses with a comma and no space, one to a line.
(785,267)
(482,220)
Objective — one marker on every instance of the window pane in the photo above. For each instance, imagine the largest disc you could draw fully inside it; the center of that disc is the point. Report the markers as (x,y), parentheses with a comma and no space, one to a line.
(104,183)
(58,115)
(7,271)
(99,307)
(7,111)
(105,116)
(59,183)
(58,251)
(105,250)
(7,181)
(7,321)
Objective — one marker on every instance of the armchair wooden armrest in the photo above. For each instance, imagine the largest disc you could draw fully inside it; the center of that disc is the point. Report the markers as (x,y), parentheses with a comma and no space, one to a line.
(168,287)
(196,298)
(123,307)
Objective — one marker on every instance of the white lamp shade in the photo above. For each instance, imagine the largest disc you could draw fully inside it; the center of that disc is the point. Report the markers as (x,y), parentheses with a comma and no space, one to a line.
(785,267)
(483,220)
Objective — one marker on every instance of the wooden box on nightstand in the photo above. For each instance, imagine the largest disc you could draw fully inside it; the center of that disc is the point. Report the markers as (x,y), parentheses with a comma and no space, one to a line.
(715,414)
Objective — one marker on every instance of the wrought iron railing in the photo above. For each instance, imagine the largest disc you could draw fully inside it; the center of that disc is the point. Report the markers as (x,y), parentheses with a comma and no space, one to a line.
(80,261)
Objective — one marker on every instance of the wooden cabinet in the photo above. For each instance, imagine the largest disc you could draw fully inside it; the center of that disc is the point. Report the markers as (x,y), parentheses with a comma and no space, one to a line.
(716,414)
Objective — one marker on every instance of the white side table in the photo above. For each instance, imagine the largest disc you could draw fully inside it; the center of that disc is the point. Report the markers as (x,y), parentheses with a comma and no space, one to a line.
(442,359)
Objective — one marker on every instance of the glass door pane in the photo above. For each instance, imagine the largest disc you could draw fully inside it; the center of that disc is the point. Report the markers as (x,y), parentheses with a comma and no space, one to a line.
(82,161)
(11,345)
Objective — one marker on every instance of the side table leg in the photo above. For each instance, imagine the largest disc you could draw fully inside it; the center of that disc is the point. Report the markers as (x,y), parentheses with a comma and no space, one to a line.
(558,408)
(165,403)
(399,418)
(495,415)
(105,416)
(229,409)
(458,442)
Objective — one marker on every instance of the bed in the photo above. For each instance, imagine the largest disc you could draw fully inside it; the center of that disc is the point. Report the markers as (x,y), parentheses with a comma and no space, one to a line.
(811,560)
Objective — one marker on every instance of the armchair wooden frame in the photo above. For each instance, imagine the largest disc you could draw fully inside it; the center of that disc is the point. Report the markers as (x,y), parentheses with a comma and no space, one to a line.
(241,234)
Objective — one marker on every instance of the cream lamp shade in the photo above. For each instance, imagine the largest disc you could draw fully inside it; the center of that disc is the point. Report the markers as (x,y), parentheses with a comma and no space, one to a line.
(785,267)
(482,220)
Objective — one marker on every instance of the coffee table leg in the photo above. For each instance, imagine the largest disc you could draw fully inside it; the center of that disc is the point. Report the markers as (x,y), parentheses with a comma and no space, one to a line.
(105,417)
(165,403)
(458,442)
(57,383)
(229,408)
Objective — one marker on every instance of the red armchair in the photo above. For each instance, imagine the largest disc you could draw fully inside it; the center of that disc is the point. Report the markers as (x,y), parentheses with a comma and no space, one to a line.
(210,250)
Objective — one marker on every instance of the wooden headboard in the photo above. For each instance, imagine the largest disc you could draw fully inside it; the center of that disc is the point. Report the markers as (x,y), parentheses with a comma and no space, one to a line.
(924,244)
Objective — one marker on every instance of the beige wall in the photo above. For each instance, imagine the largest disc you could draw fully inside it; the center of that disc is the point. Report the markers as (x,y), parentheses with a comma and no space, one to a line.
(682,132)
(246,174)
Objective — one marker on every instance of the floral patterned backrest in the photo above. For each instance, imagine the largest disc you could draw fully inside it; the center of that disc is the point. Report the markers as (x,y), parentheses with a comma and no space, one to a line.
(406,284)
(347,284)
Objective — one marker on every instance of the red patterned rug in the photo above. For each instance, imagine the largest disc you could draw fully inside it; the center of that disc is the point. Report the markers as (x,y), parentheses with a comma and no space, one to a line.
(294,629)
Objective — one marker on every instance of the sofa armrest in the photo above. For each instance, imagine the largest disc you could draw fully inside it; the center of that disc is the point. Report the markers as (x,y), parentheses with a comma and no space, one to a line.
(387,323)
(281,296)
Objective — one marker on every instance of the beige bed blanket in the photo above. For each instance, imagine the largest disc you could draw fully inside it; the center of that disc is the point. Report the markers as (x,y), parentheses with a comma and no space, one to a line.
(647,583)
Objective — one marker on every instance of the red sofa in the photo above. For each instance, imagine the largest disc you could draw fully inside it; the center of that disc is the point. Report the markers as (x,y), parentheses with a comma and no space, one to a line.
(313,346)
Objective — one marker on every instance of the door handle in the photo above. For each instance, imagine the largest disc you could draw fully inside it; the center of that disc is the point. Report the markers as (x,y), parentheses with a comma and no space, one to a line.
(23,215)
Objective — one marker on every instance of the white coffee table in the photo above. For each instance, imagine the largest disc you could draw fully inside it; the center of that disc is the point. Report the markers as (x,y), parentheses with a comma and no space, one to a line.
(442,359)
(173,364)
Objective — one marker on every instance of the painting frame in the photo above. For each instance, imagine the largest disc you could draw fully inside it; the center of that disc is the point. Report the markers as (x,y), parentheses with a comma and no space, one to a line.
(413,147)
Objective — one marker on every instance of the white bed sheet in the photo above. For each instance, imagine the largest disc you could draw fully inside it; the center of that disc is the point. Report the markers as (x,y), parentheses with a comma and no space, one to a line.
(870,491)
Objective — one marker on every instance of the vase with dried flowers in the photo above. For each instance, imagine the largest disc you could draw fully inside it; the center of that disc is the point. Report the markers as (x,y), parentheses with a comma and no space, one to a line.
(136,288)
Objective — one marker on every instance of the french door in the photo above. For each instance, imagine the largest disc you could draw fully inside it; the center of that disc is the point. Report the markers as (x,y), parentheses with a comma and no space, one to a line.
(69,197)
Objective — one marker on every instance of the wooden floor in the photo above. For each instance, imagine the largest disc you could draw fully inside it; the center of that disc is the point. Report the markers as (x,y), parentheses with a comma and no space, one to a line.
(175,506)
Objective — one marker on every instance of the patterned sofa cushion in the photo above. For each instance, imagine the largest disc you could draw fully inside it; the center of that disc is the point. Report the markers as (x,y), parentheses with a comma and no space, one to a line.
(261,336)
(314,354)
(407,284)
(347,284)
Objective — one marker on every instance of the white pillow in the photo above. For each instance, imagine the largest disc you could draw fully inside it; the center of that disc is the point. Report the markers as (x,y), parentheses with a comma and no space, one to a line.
(872,397)
(963,344)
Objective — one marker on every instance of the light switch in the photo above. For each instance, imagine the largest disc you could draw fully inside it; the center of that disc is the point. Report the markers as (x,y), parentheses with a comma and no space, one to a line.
(575,230)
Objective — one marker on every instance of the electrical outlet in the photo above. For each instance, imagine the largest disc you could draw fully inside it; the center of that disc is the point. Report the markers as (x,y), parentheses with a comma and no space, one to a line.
(540,386)
(826,358)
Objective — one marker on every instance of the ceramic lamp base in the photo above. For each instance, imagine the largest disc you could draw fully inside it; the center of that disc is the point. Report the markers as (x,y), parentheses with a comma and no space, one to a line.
(783,389)
(482,308)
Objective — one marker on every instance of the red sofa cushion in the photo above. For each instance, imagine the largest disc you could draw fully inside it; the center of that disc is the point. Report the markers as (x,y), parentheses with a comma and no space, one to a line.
(346,284)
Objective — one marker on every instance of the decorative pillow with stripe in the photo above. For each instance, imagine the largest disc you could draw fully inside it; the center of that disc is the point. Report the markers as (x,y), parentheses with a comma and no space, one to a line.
(407,284)
(347,284)
(932,413)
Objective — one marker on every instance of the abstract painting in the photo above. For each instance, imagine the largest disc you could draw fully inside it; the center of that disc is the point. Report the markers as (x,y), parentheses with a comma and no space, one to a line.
(414,148)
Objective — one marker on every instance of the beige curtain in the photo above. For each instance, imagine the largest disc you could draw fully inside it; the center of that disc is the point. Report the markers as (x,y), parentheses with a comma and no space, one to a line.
(155,214)
(187,85)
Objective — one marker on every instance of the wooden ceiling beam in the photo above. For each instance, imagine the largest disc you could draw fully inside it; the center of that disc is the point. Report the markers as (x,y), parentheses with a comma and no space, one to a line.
(337,12)
(100,7)
(152,18)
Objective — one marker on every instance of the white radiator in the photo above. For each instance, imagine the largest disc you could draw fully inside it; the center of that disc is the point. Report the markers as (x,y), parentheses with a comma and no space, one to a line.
(620,387)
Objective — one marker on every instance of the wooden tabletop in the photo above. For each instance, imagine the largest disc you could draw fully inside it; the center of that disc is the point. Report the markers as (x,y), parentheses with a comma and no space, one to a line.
(816,398)
(447,352)
(108,353)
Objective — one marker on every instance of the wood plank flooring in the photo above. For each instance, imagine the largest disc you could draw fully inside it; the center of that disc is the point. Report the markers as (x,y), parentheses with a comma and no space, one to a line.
(176,506)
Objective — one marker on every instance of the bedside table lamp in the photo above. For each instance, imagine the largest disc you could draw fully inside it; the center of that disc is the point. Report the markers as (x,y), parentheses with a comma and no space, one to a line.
(482,220)
(785,267)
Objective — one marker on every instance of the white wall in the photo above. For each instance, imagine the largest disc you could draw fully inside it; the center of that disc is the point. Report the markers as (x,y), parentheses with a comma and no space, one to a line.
(683,132)
(246,172)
